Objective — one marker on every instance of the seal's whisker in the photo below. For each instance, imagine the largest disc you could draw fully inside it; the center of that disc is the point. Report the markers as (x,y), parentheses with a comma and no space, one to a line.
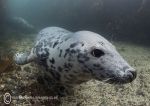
(106,80)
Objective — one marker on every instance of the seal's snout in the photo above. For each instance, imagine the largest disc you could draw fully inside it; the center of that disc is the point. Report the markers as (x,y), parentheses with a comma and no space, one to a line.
(132,75)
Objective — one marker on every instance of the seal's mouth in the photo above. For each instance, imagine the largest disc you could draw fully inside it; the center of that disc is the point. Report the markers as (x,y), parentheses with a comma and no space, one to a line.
(120,80)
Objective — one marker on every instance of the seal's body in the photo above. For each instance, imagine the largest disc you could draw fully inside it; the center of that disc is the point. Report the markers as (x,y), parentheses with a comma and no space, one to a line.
(72,58)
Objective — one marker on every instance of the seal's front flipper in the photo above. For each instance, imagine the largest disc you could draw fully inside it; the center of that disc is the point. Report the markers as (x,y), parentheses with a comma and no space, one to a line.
(24,58)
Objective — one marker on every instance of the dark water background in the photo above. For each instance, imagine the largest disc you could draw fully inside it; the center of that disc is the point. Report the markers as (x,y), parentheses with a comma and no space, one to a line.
(127,20)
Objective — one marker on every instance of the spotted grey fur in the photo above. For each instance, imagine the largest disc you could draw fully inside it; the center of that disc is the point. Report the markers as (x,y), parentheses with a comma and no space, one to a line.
(67,57)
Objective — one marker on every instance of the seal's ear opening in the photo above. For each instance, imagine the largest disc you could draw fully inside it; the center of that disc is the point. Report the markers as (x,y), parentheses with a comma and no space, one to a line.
(97,53)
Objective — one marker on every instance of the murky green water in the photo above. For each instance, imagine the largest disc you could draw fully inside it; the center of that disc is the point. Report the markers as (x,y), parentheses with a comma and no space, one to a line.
(125,24)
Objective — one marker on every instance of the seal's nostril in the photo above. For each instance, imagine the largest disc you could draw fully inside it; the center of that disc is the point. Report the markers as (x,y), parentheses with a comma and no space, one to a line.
(132,75)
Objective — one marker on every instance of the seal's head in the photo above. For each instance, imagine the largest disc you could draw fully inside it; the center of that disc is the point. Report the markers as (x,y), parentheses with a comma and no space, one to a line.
(100,58)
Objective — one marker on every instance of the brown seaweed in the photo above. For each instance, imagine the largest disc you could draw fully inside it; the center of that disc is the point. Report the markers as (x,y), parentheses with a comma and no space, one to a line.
(6,63)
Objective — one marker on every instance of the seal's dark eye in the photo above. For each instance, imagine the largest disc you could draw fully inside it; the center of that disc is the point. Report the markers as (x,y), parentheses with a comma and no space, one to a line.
(97,53)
